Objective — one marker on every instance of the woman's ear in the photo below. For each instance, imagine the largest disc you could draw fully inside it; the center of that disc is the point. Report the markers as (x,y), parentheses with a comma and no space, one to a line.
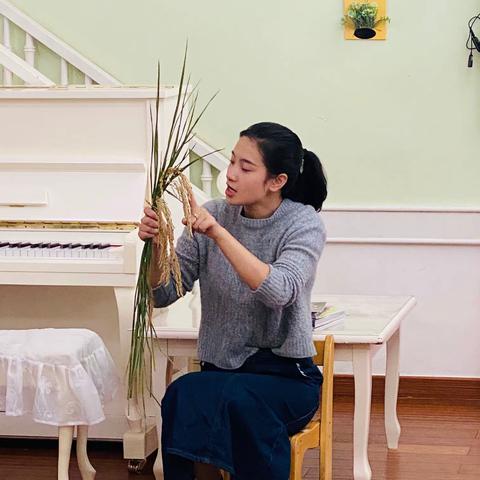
(278,182)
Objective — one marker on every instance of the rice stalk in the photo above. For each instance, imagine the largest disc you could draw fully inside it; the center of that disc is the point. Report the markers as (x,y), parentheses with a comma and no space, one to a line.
(158,256)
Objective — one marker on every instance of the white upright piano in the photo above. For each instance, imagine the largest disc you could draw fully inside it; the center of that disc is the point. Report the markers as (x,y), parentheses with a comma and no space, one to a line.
(73,170)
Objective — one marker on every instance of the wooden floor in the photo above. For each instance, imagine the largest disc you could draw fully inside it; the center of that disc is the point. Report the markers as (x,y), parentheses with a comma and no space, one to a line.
(439,441)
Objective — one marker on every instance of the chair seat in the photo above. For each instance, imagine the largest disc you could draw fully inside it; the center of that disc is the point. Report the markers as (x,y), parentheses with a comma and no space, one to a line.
(308,437)
(317,417)
(311,424)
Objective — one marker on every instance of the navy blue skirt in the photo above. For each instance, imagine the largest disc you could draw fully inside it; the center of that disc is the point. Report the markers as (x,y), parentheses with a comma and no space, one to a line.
(239,420)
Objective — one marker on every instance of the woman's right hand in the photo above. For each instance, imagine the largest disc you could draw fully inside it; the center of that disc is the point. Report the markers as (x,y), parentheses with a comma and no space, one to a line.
(148,227)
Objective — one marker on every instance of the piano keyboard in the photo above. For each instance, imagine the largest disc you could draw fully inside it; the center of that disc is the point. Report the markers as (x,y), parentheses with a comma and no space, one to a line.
(59,250)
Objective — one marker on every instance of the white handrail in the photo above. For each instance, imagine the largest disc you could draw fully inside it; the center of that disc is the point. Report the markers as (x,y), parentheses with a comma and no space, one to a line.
(216,160)
(22,69)
(58,46)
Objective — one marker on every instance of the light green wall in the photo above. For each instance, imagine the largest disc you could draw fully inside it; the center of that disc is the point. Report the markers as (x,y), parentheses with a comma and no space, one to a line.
(395,122)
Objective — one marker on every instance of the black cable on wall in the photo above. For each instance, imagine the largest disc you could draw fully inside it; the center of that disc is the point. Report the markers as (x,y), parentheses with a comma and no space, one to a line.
(473,43)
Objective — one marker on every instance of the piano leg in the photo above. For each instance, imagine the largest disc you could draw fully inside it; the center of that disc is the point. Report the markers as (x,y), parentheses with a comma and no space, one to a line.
(140,439)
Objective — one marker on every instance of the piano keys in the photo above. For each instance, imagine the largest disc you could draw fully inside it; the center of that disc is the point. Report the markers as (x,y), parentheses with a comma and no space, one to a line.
(48,249)
(103,251)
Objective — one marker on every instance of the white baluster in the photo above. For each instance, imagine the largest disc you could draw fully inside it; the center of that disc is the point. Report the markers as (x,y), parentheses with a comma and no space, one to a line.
(29,50)
(63,72)
(7,74)
(88,80)
(206,178)
(222,182)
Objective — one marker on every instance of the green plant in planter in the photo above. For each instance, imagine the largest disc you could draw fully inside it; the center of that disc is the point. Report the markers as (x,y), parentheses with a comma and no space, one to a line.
(363,17)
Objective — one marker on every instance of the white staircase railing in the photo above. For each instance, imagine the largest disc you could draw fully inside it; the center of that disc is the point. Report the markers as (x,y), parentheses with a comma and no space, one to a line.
(12,64)
(24,68)
(214,165)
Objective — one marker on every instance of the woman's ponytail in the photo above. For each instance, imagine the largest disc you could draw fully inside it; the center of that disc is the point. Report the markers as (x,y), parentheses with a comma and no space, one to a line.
(310,188)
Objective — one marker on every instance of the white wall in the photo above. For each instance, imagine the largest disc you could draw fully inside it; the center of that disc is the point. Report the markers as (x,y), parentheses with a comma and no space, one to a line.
(434,256)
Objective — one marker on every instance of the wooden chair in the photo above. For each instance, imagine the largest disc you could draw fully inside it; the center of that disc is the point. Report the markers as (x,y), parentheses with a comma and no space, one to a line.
(318,433)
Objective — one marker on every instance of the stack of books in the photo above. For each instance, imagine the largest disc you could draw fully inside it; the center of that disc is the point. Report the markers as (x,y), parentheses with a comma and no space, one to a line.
(325,316)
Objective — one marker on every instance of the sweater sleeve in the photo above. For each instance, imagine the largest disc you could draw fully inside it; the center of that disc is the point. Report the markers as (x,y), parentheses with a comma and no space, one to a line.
(189,259)
(294,267)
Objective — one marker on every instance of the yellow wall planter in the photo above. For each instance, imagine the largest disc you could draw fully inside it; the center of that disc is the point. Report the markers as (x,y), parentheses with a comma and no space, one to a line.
(380,30)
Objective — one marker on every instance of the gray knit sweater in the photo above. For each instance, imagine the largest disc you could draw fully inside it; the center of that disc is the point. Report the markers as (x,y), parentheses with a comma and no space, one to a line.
(236,320)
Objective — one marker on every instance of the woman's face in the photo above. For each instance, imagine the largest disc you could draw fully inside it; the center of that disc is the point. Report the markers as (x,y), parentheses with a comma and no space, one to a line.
(247,179)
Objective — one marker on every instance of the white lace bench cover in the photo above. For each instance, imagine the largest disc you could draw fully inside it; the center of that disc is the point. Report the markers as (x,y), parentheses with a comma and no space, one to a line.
(60,376)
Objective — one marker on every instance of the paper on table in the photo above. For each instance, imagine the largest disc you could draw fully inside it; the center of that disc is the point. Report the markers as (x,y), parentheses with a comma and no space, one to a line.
(327,316)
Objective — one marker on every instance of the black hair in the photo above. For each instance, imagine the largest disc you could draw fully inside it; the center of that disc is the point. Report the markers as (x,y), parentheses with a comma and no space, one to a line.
(282,152)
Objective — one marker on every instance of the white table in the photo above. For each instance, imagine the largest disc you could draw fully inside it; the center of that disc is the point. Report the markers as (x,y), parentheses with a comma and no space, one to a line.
(370,323)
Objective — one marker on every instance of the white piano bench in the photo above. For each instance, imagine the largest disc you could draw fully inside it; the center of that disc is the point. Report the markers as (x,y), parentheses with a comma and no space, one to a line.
(60,377)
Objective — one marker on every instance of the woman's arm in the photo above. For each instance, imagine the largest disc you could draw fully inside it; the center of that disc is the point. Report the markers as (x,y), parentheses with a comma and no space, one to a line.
(294,267)
(278,284)
(250,269)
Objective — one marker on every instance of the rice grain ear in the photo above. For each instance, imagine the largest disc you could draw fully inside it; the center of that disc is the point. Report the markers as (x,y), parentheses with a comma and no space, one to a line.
(177,274)
(167,260)
(183,191)
(164,241)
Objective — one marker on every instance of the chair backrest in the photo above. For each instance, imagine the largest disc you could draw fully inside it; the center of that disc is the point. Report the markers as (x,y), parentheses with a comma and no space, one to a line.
(325,358)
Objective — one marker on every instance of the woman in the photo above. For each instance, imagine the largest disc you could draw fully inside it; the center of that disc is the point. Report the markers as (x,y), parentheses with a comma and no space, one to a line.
(255,254)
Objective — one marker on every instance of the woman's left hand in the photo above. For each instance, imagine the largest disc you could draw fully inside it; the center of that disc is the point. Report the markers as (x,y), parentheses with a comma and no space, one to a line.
(202,220)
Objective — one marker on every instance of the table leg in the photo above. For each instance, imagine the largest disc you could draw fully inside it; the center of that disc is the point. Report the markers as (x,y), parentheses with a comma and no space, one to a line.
(163,367)
(392,425)
(362,371)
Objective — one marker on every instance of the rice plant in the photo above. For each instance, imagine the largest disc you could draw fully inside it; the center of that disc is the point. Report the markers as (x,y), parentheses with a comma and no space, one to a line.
(165,176)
